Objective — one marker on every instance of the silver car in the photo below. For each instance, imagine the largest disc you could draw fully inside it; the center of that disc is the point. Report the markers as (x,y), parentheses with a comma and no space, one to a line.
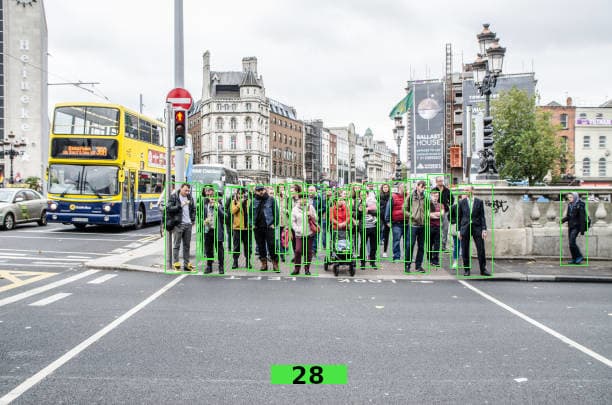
(21,205)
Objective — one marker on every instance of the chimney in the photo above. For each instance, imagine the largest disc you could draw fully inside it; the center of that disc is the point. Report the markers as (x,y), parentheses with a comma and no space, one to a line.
(206,76)
(568,102)
(249,63)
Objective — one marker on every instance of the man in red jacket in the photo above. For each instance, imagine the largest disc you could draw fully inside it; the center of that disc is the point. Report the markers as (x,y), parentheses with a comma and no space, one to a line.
(396,216)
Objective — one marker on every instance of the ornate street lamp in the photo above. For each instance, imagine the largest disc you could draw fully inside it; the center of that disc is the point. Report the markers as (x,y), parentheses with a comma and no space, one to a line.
(398,134)
(11,149)
(366,160)
(486,69)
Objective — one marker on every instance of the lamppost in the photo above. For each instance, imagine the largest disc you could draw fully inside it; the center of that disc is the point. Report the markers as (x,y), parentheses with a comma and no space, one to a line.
(398,134)
(487,68)
(13,145)
(366,159)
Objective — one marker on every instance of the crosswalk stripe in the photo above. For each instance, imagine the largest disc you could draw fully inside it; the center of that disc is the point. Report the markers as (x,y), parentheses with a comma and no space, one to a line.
(49,300)
(102,279)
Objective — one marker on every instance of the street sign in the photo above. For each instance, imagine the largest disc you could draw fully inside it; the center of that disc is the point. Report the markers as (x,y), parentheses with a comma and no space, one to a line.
(179,98)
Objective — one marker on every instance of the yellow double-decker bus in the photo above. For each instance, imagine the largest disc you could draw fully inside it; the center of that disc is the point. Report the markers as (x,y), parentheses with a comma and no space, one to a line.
(107,166)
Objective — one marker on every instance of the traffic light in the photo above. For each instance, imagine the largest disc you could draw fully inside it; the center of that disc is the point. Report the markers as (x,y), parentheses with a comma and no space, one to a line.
(487,131)
(179,128)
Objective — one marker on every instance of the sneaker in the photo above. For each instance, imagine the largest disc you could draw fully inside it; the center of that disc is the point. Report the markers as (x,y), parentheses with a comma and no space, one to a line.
(579,260)
(188,267)
(176,266)
(454,265)
(385,255)
(420,270)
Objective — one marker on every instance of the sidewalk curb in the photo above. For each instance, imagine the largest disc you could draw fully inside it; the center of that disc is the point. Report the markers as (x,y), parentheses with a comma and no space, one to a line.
(118,262)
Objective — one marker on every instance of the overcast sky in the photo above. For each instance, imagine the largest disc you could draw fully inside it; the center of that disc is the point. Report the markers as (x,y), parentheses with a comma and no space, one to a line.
(341,60)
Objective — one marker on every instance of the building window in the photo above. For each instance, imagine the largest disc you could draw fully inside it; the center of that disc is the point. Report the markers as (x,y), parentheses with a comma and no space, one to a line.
(602,167)
(220,142)
(234,107)
(586,167)
(599,116)
(233,163)
(582,115)
(218,107)
(247,162)
(248,142)
(220,160)
(602,141)
(564,143)
(248,123)
(248,106)
(563,120)
(233,142)
(274,135)
(219,123)
(227,107)
(233,123)
(586,142)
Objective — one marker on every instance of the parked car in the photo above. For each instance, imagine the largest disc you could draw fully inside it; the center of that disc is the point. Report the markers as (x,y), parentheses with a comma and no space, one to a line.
(21,205)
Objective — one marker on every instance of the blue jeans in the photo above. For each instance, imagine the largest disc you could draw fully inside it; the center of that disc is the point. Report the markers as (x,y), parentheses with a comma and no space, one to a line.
(456,247)
(398,234)
(417,234)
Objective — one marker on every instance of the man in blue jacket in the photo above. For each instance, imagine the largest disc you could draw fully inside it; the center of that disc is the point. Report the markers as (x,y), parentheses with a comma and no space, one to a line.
(263,218)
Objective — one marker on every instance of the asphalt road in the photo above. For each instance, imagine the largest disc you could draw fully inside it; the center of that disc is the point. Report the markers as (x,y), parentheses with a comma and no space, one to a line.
(127,337)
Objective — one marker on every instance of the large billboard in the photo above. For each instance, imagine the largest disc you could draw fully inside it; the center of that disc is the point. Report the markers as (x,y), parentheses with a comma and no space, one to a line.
(471,97)
(427,125)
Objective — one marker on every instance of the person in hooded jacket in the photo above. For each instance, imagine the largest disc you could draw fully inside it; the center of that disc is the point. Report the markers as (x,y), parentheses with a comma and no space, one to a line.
(576,219)
(302,213)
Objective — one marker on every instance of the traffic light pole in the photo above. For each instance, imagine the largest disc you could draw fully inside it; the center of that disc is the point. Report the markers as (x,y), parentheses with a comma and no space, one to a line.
(169,185)
(179,79)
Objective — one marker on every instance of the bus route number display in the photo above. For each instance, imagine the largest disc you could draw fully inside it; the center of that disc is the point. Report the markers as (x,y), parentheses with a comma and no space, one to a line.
(309,374)
(71,148)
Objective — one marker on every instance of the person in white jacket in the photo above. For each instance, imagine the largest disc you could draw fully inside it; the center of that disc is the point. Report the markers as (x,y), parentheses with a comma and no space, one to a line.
(302,216)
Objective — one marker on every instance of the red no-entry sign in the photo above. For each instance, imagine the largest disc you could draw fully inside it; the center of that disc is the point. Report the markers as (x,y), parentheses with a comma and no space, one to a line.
(179,98)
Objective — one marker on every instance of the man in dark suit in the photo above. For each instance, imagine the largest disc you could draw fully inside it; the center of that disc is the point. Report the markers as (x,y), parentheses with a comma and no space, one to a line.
(472,222)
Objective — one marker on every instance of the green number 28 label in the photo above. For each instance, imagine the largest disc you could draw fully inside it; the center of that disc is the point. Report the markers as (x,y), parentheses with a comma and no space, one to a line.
(308,374)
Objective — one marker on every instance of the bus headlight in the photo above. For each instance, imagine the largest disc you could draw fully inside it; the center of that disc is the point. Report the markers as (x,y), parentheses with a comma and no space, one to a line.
(107,208)
(53,206)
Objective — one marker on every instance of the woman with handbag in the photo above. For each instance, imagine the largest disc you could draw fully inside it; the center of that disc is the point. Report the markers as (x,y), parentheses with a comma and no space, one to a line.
(305,228)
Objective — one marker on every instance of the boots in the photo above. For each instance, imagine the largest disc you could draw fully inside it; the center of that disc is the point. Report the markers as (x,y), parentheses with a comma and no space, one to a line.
(307,270)
(296,271)
(275,265)
(208,268)
(264,265)
(235,265)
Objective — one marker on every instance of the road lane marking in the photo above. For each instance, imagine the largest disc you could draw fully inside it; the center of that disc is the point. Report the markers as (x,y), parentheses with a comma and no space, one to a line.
(50,299)
(134,245)
(52,251)
(42,374)
(77,239)
(120,250)
(52,259)
(41,289)
(15,275)
(79,257)
(102,279)
(537,324)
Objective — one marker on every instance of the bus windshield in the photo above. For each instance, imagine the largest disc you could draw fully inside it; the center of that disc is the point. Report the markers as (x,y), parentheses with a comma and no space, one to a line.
(85,180)
(85,120)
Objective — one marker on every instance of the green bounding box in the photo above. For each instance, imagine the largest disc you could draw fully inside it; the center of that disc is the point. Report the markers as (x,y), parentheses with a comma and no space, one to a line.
(309,374)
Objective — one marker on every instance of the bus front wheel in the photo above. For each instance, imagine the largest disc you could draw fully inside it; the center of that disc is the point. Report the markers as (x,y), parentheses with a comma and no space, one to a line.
(140,217)
(79,227)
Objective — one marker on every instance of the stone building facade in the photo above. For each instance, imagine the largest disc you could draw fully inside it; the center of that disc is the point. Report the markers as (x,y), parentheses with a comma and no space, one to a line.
(234,113)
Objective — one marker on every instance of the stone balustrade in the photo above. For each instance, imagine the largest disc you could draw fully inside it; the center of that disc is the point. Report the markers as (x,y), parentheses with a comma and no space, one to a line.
(526,221)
